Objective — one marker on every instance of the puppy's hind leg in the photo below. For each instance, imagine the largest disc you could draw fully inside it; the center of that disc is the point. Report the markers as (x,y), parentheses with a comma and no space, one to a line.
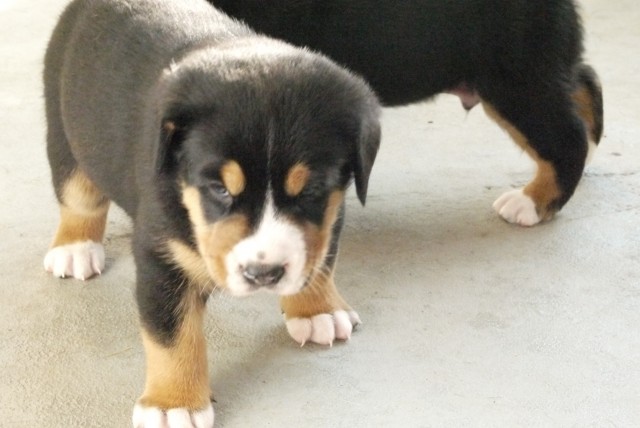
(544,120)
(77,245)
(76,249)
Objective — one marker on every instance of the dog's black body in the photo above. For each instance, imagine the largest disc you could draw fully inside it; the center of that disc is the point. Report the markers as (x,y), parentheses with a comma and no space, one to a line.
(230,151)
(521,58)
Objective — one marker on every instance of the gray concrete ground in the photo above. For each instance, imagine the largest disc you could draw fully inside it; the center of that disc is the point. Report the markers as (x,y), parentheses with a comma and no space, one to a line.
(468,321)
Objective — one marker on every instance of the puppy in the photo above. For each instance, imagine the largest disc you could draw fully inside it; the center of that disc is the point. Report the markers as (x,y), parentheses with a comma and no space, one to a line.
(230,151)
(520,58)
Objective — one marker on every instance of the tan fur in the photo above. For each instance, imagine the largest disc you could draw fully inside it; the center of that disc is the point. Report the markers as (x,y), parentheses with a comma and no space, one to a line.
(297,178)
(169,127)
(321,294)
(233,177)
(217,240)
(177,375)
(584,105)
(193,204)
(214,240)
(83,211)
(544,189)
(190,262)
(317,239)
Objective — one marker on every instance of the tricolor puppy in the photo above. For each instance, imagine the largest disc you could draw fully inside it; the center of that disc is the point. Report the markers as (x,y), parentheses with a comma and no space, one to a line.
(230,151)
(522,59)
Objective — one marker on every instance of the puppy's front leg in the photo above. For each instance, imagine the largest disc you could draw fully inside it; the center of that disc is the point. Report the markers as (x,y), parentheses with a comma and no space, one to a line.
(177,392)
(318,313)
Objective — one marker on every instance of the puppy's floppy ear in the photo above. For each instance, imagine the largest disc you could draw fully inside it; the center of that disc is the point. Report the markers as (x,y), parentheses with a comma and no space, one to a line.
(172,133)
(173,117)
(366,150)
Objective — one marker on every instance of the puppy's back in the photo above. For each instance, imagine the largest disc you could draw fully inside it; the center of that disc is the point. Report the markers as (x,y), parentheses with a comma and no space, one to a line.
(103,62)
(124,44)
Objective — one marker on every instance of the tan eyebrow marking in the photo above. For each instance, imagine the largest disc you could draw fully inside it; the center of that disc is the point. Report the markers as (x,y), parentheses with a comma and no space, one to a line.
(297,178)
(233,177)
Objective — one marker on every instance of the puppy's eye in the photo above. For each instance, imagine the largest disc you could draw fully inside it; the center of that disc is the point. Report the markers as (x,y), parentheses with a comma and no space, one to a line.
(218,190)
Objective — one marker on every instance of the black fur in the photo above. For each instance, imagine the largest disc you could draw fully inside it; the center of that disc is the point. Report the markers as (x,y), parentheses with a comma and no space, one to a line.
(415,49)
(143,104)
(523,57)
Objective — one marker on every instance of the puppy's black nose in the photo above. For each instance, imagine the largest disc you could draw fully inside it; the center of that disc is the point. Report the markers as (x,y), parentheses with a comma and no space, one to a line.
(263,275)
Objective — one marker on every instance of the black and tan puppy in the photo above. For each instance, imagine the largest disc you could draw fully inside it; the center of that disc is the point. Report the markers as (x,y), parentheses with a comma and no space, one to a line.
(230,151)
(520,58)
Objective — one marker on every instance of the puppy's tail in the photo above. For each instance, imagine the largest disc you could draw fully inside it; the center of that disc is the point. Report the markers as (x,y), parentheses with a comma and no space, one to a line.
(587,95)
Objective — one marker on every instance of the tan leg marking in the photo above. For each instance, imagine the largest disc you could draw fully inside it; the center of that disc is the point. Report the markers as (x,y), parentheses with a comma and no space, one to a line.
(317,238)
(320,295)
(297,178)
(178,375)
(83,212)
(233,177)
(543,189)
(584,105)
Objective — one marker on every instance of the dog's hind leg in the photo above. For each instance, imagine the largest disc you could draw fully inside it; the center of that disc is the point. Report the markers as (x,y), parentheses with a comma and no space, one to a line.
(553,126)
(76,249)
(77,245)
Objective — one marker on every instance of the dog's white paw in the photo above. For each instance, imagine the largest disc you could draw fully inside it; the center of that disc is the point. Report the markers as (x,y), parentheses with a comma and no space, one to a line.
(80,260)
(323,328)
(516,207)
(153,417)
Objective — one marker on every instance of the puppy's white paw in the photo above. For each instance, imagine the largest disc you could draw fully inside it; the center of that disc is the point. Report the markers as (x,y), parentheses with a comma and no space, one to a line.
(516,207)
(80,260)
(323,328)
(153,417)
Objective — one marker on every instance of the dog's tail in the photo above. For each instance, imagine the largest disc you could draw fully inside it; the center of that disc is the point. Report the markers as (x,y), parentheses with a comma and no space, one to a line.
(587,95)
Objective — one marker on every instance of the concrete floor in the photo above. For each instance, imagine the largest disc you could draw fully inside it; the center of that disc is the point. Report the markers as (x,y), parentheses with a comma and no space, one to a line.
(468,321)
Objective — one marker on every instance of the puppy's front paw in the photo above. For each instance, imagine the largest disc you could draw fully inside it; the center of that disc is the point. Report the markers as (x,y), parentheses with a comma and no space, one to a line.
(516,207)
(323,328)
(80,260)
(153,417)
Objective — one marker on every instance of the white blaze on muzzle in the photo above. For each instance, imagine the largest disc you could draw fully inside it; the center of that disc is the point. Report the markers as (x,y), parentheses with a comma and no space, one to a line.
(273,258)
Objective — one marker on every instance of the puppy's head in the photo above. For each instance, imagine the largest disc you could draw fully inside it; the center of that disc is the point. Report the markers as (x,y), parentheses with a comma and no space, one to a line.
(262,141)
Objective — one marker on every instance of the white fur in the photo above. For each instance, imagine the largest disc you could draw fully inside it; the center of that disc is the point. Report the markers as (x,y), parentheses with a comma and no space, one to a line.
(516,207)
(152,417)
(323,328)
(277,241)
(81,260)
